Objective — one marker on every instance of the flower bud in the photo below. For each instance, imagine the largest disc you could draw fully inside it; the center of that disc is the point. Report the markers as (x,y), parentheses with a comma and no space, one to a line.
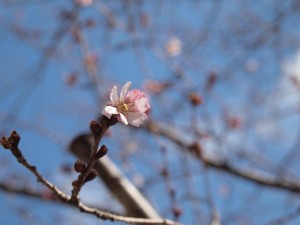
(95,127)
(79,166)
(177,211)
(195,99)
(5,143)
(15,138)
(101,152)
(91,176)
(10,142)
(196,148)
(75,184)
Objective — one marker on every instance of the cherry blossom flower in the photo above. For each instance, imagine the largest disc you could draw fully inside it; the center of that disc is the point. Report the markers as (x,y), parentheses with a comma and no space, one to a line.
(131,107)
(174,47)
(85,2)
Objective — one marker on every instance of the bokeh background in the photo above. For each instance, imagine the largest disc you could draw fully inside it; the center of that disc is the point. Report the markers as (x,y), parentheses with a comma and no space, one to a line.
(224,74)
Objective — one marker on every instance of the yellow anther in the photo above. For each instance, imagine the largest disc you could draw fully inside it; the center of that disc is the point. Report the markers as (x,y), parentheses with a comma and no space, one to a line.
(123,108)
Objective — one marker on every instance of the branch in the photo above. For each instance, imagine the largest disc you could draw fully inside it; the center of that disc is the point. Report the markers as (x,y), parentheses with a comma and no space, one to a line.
(39,195)
(26,192)
(12,143)
(195,149)
(87,172)
(127,194)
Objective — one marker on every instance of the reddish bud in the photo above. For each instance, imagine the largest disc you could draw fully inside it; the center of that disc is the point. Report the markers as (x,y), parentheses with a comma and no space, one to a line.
(12,141)
(101,152)
(5,143)
(196,148)
(90,59)
(95,127)
(177,212)
(71,79)
(195,99)
(211,80)
(15,138)
(235,123)
(156,86)
(79,166)
(75,184)
(91,176)
(89,23)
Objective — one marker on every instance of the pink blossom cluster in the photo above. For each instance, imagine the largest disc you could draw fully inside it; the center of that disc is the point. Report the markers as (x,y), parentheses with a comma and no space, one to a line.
(131,107)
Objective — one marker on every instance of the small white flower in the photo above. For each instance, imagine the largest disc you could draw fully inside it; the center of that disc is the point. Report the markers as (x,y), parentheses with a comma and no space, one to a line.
(131,107)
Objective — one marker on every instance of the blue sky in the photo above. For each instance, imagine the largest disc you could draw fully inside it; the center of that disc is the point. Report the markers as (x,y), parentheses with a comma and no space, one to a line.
(217,36)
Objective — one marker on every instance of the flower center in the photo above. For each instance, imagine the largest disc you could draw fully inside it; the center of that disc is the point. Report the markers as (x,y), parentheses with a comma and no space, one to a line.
(123,107)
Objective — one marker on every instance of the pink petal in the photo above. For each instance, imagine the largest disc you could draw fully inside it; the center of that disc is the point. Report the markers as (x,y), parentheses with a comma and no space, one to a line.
(134,95)
(142,105)
(124,90)
(108,111)
(136,118)
(114,95)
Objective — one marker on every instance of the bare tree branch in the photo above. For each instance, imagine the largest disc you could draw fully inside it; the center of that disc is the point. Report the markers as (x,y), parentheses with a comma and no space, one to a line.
(195,149)
(12,143)
(25,191)
(43,195)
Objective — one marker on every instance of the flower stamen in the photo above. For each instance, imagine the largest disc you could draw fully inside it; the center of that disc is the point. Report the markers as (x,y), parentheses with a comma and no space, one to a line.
(123,107)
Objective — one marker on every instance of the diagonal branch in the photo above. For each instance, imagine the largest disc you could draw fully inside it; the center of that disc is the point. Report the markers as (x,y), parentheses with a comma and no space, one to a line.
(25,192)
(42,195)
(12,143)
(246,174)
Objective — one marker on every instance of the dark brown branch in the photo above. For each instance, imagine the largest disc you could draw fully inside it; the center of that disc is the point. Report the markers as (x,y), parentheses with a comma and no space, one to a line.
(195,149)
(98,131)
(12,142)
(132,200)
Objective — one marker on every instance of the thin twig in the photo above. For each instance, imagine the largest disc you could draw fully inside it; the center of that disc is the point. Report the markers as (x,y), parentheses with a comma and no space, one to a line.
(132,200)
(98,132)
(43,195)
(27,192)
